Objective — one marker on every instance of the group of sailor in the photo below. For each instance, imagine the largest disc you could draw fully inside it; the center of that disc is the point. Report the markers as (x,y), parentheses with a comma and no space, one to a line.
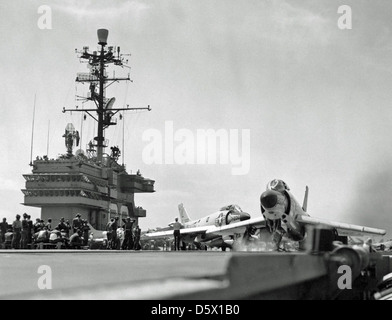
(24,234)
(125,237)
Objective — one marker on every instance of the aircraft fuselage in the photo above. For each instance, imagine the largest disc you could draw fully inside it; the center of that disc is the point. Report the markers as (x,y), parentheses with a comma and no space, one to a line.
(281,209)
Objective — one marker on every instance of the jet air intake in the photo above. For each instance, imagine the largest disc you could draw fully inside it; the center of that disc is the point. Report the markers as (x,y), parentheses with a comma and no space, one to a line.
(275,205)
(269,199)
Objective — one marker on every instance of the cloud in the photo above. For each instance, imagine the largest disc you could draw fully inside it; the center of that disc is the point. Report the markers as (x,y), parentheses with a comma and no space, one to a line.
(294,24)
(98,9)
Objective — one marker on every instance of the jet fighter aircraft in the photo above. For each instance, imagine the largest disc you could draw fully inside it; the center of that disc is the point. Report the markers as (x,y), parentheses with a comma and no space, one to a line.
(214,230)
(285,216)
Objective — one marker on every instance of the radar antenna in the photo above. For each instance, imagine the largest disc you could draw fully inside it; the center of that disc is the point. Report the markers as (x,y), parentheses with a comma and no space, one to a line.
(98,80)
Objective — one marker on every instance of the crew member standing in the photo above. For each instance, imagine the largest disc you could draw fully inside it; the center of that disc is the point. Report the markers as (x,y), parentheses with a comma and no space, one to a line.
(17,229)
(114,227)
(128,237)
(30,228)
(177,236)
(3,230)
(25,230)
(109,233)
(69,228)
(85,229)
(137,245)
(77,223)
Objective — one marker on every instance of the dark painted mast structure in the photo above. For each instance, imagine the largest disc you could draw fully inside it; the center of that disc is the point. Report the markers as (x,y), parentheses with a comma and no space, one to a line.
(94,185)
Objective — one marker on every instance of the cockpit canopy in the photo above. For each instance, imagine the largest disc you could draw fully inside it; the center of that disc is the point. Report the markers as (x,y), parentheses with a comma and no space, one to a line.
(277,185)
(233,207)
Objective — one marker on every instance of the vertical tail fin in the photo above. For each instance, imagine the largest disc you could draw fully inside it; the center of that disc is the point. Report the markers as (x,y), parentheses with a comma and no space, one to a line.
(184,217)
(305,205)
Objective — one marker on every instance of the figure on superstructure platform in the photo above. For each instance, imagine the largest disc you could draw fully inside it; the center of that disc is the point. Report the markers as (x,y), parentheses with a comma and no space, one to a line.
(71,136)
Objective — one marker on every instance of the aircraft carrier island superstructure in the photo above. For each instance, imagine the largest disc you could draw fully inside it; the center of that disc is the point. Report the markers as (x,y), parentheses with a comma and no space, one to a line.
(89,182)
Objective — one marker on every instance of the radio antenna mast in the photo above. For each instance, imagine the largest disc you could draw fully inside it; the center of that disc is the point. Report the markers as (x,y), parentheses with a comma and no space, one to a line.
(98,79)
(32,132)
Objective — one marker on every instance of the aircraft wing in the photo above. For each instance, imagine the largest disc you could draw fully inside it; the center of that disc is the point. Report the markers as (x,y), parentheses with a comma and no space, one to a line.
(226,230)
(344,229)
(169,233)
(157,234)
(238,227)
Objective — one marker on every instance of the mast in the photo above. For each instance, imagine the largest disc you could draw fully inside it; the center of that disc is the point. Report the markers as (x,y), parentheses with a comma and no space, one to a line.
(95,186)
(97,64)
(123,132)
(100,138)
(32,132)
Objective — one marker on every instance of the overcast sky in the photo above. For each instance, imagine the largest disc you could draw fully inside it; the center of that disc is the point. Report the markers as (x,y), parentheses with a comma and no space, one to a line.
(316,99)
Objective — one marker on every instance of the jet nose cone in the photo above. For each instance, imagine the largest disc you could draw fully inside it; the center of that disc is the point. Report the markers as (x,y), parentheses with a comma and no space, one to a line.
(268,199)
(244,216)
